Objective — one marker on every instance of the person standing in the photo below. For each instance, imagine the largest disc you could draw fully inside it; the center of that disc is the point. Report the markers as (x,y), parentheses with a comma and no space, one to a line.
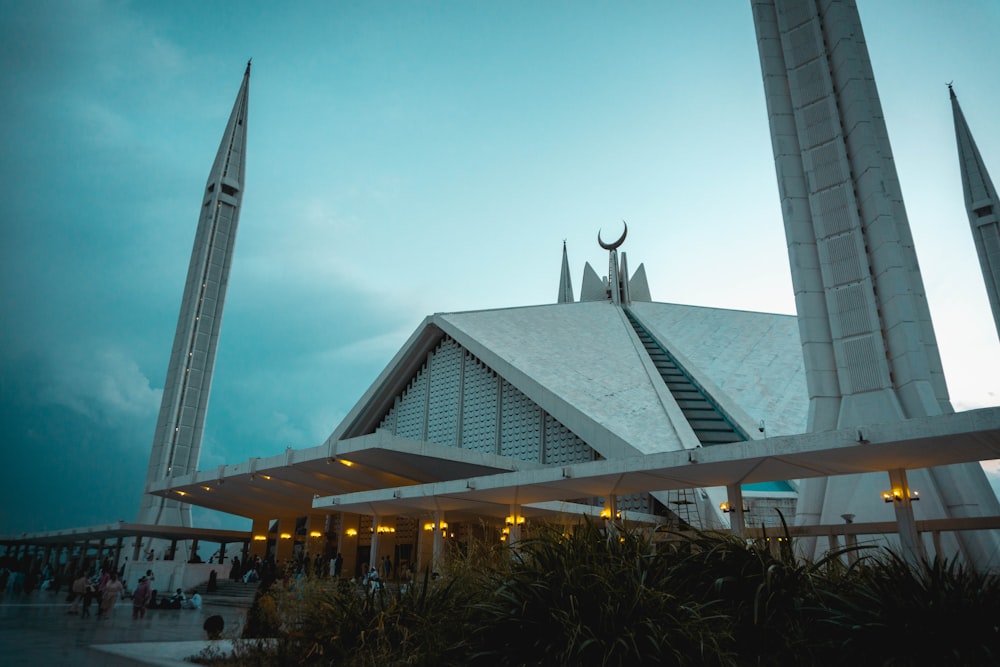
(109,595)
(140,597)
(77,591)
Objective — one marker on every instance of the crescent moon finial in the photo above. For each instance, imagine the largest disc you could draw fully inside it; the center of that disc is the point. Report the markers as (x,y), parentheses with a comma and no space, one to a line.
(612,246)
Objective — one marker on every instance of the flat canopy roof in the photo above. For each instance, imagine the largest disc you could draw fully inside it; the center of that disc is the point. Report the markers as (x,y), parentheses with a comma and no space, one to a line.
(120,529)
(916,443)
(285,485)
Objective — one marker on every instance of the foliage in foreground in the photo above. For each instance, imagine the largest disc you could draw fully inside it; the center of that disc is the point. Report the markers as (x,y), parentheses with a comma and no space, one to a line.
(597,596)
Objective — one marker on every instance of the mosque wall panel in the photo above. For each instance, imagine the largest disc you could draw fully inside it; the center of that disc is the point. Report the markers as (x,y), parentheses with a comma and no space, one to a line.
(479,407)
(520,425)
(445,391)
(412,408)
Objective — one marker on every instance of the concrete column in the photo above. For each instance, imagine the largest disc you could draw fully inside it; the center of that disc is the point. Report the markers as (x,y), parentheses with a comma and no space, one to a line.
(514,522)
(736,520)
(316,537)
(285,547)
(437,551)
(373,559)
(909,538)
(136,548)
(258,538)
(610,507)
(118,553)
(194,548)
(81,555)
(348,544)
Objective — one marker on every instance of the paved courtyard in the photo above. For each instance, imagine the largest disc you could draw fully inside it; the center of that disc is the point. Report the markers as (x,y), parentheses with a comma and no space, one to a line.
(35,630)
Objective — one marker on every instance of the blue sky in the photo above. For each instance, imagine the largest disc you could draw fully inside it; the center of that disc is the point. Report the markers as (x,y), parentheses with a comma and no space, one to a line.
(404,158)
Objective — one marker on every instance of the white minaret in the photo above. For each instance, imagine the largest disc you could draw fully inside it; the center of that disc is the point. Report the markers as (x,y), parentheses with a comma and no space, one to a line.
(179,428)
(982,204)
(869,346)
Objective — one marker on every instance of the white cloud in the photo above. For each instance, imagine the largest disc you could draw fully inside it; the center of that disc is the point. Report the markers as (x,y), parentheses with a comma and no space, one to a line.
(106,386)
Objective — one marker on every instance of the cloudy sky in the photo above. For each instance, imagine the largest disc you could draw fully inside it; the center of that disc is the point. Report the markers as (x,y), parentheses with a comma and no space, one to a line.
(404,158)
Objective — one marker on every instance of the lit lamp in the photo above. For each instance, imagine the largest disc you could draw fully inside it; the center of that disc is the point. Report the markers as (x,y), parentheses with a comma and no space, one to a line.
(511,520)
(286,536)
(726,509)
(351,532)
(896,495)
(259,538)
(315,533)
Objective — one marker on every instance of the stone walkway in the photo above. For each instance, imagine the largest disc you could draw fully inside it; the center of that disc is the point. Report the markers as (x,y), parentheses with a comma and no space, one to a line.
(35,630)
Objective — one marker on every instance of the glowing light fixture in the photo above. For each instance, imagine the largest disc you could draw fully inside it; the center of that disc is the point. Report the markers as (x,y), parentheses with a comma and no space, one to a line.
(315,533)
(896,495)
(259,538)
(286,536)
(351,532)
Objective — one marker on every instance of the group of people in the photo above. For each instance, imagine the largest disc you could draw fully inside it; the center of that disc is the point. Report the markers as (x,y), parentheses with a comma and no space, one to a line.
(104,586)
(107,588)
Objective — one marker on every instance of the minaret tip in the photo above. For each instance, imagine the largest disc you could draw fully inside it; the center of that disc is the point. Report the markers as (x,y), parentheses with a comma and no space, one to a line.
(951,91)
(247,73)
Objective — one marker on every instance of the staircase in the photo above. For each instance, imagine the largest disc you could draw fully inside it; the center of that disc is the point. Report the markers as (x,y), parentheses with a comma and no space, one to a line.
(708,423)
(228,593)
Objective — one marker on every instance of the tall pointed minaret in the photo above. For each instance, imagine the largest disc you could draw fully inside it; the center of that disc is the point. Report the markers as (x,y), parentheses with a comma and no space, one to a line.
(565,283)
(179,428)
(867,339)
(982,205)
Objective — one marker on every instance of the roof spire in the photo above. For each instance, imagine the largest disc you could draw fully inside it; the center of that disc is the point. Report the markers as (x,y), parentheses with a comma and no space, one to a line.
(981,204)
(565,282)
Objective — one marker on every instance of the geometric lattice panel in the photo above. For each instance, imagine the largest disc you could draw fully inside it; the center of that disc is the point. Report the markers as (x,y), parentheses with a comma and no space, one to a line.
(456,400)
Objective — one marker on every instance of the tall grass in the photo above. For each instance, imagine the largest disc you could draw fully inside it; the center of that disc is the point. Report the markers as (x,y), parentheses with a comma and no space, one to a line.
(604,595)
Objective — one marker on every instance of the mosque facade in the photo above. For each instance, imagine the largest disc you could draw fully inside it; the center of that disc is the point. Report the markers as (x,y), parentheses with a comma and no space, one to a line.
(450,441)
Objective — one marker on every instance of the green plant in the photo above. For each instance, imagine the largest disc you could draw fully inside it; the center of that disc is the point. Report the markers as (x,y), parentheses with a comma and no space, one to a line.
(591,596)
(892,612)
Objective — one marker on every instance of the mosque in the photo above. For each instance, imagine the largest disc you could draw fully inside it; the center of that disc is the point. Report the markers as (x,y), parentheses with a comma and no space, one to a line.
(609,404)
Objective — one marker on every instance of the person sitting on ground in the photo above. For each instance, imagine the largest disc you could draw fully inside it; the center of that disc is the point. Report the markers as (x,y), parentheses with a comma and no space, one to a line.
(193,602)
(174,601)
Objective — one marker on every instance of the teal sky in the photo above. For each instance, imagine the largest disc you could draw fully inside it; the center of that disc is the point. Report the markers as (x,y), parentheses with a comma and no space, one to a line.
(404,158)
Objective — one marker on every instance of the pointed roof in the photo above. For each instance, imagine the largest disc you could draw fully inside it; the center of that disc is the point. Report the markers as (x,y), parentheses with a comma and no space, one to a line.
(565,282)
(584,365)
(976,183)
(230,161)
(981,205)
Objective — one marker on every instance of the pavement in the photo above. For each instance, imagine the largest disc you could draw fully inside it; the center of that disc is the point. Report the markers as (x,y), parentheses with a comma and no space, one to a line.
(35,630)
